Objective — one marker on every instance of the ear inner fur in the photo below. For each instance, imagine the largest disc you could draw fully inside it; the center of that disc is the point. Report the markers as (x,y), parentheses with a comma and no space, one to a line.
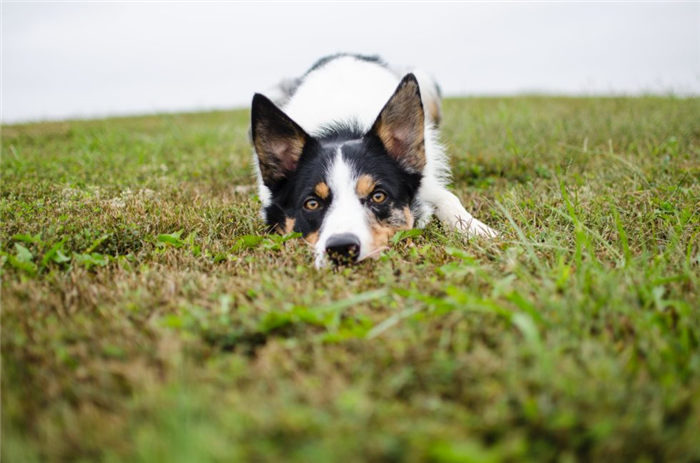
(278,140)
(401,126)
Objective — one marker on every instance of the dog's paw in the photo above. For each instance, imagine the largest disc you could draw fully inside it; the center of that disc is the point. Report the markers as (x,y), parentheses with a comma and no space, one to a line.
(473,227)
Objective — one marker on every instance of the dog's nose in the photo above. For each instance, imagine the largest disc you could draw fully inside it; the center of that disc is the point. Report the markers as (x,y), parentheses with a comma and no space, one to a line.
(343,248)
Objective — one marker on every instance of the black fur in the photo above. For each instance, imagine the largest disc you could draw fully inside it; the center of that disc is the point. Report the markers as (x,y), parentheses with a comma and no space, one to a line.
(327,59)
(367,156)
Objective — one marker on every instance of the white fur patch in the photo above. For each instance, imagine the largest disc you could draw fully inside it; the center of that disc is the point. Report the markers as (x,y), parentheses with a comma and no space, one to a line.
(346,213)
(345,89)
(449,210)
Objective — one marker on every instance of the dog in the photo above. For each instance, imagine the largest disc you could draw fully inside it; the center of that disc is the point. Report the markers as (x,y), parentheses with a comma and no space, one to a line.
(348,154)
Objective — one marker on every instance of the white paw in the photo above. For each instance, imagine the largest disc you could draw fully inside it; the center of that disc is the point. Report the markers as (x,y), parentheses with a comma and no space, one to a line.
(473,227)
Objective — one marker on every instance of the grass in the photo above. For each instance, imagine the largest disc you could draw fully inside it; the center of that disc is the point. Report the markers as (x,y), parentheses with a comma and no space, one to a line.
(146,317)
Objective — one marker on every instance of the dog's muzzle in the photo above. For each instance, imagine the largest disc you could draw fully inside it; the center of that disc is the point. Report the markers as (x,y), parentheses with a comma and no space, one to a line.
(343,248)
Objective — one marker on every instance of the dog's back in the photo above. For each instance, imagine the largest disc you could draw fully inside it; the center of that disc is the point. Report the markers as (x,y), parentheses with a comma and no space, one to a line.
(348,89)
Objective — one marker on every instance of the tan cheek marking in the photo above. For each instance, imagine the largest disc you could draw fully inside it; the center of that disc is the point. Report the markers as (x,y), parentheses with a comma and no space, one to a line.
(409,217)
(382,232)
(322,190)
(365,185)
(380,235)
(312,238)
(289,225)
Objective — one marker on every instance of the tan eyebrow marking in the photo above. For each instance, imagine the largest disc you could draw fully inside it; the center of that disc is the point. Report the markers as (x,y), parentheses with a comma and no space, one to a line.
(365,185)
(322,190)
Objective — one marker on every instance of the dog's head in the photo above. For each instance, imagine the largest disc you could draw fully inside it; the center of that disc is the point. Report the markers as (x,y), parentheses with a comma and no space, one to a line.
(347,194)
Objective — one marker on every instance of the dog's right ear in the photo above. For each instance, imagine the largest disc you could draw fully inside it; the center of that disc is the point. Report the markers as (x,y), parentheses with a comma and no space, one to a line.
(277,139)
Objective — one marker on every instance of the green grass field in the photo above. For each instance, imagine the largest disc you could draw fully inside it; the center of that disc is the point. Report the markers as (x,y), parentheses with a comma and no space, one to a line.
(147,318)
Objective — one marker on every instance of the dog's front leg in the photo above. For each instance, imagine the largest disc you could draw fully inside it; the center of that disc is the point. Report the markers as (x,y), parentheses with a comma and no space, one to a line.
(449,209)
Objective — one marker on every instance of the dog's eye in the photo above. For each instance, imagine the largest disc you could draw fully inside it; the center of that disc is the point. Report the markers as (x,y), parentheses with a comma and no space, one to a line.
(312,204)
(378,197)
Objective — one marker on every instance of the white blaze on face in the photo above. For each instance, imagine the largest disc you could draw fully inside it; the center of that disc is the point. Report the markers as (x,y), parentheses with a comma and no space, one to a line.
(346,214)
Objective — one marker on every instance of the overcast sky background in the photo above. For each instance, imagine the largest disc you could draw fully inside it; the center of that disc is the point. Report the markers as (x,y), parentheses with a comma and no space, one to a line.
(63,60)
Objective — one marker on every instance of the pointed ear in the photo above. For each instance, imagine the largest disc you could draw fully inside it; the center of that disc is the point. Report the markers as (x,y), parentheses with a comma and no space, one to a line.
(400,126)
(278,140)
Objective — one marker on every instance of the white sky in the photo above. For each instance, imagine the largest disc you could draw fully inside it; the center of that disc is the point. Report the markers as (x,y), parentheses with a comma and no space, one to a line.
(79,60)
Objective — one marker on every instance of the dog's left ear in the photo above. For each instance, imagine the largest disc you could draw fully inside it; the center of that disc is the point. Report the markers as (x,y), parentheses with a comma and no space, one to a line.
(401,126)
(278,140)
